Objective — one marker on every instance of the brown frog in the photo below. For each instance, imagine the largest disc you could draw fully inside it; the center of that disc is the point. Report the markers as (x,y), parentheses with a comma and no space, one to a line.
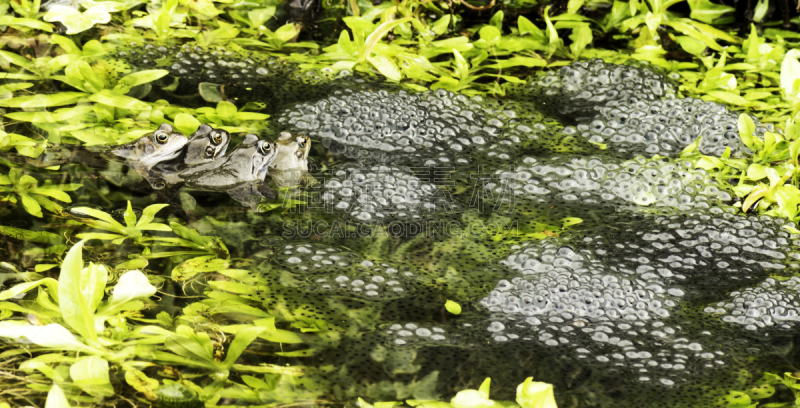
(291,162)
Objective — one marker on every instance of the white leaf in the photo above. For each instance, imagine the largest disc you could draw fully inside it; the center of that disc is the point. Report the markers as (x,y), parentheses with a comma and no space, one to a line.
(53,335)
(132,285)
(790,73)
(471,399)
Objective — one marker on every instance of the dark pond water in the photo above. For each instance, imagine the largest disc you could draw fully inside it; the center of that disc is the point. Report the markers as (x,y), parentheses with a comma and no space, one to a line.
(577,256)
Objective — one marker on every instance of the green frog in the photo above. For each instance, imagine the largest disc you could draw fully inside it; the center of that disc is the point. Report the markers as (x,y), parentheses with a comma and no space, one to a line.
(162,145)
(291,162)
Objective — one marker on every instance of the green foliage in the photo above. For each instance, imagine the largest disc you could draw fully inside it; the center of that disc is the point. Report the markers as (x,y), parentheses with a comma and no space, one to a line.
(77,22)
(132,229)
(530,394)
(18,187)
(95,333)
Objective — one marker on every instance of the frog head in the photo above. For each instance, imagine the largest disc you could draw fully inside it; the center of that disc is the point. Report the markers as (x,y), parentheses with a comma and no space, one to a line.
(162,145)
(205,145)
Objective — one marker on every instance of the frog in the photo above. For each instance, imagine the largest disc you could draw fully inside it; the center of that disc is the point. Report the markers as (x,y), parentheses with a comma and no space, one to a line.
(204,146)
(291,162)
(164,144)
(241,173)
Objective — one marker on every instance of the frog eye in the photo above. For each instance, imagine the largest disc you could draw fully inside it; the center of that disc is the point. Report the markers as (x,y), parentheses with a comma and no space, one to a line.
(161,137)
(264,148)
(216,138)
(301,141)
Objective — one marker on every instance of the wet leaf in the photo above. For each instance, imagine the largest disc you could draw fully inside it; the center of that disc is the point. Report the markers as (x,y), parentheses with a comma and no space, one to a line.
(107,97)
(243,339)
(91,375)
(142,383)
(43,100)
(72,288)
(535,394)
(56,398)
(75,21)
(201,264)
(707,11)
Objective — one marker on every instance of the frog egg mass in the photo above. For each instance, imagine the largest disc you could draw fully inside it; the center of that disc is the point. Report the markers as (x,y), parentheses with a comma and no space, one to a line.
(385,193)
(333,270)
(579,90)
(664,290)
(665,127)
(656,182)
(428,128)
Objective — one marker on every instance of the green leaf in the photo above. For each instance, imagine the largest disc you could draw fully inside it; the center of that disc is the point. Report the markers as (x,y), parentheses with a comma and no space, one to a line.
(31,205)
(581,37)
(226,109)
(129,216)
(753,197)
(186,124)
(706,11)
(25,22)
(534,394)
(15,59)
(50,283)
(143,77)
(107,97)
(91,375)
(729,97)
(691,45)
(201,264)
(52,335)
(385,66)
(574,5)
(490,34)
(243,339)
(359,25)
(56,398)
(440,26)
(379,33)
(149,214)
(260,16)
(112,224)
(75,21)
(747,131)
(552,34)
(71,294)
(527,27)
(193,346)
(141,382)
(760,10)
(43,100)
